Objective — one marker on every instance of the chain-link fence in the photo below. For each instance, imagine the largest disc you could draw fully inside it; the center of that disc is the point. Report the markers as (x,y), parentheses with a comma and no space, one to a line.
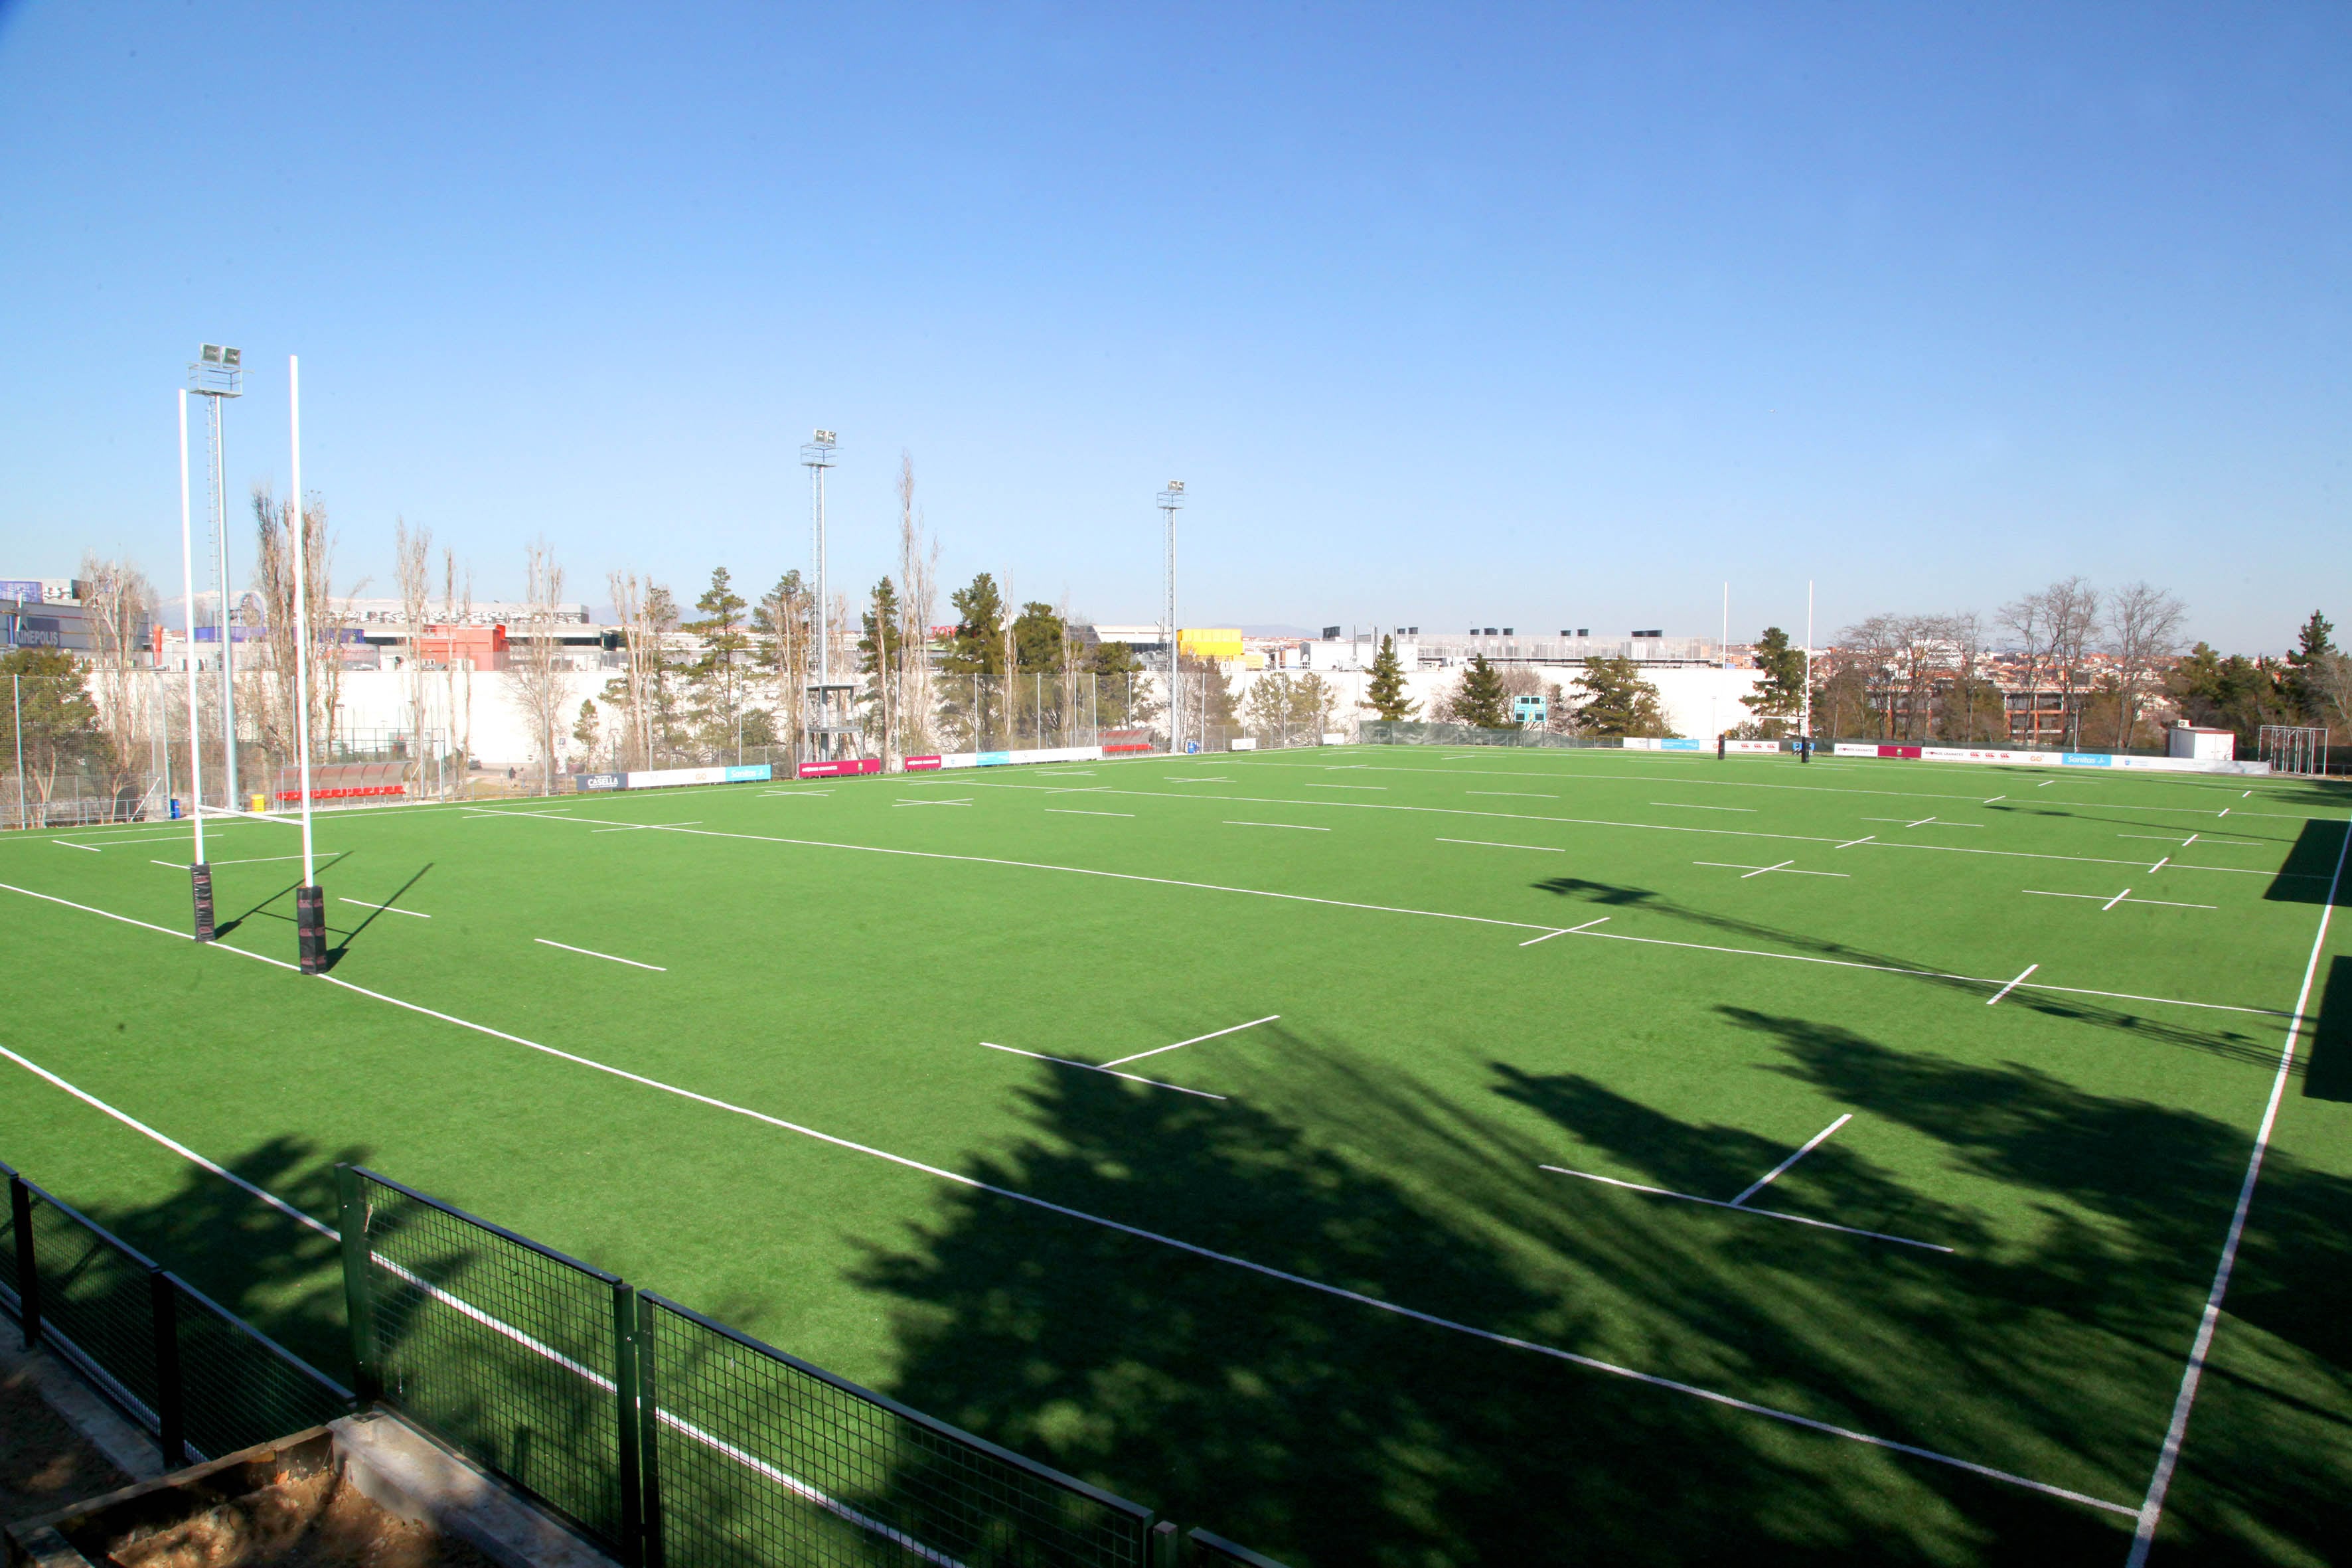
(200,1380)
(1414,732)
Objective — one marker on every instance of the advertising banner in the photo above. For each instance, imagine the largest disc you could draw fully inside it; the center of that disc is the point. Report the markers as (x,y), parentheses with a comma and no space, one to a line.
(846,768)
(661,778)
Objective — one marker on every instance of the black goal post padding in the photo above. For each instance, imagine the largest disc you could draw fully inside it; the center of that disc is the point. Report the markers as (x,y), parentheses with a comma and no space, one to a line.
(1719,748)
(310,928)
(200,878)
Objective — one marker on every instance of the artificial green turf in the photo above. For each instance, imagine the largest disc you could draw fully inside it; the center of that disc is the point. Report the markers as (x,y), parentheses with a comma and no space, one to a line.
(2080,1152)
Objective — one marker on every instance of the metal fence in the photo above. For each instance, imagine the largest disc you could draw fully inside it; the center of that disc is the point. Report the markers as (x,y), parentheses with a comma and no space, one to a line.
(202,1381)
(506,1350)
(678,1442)
(756,1456)
(1414,732)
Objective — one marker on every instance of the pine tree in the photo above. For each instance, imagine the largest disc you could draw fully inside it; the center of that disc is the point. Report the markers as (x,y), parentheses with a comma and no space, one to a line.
(2314,644)
(1618,702)
(1780,695)
(1482,702)
(717,676)
(1385,696)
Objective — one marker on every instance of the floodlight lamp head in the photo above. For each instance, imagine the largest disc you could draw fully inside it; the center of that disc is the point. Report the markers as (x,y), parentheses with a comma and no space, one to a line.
(1176,487)
(824,439)
(219,370)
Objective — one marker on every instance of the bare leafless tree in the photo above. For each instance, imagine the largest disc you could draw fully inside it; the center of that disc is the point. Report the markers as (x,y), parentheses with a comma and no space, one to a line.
(2143,631)
(412,569)
(918,600)
(535,669)
(2070,607)
(633,744)
(273,573)
(120,606)
(2027,621)
(458,610)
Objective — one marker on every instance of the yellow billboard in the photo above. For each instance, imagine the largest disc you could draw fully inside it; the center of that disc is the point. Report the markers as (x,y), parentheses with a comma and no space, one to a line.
(1209,642)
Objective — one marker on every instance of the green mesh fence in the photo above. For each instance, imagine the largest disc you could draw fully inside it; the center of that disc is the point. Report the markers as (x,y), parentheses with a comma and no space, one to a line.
(96,1308)
(504,1349)
(217,1382)
(238,1386)
(758,1458)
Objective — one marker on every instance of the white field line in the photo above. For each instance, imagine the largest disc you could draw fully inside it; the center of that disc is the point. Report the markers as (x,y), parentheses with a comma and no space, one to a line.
(1686,805)
(2151,1508)
(645,826)
(255,859)
(387,909)
(468,1310)
(594,953)
(1761,870)
(1557,776)
(1195,1040)
(1383,788)
(1591,1363)
(475,811)
(2012,985)
(1096,1067)
(71,845)
(1294,826)
(1643,826)
(2106,903)
(2160,838)
(1569,930)
(1511,794)
(2160,866)
(1769,1178)
(1793,1219)
(1074,811)
(119,843)
(896,803)
(1491,844)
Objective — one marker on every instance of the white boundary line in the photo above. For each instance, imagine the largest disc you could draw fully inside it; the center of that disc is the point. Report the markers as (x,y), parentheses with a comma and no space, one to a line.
(1791,1218)
(1096,1067)
(1769,1178)
(1078,811)
(594,953)
(2151,1508)
(1195,1040)
(71,845)
(387,909)
(1294,826)
(496,1326)
(1591,1363)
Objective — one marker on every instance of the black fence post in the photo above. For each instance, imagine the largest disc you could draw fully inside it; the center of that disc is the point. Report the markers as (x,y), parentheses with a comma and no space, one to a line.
(171,1410)
(649,1434)
(1165,1544)
(28,1272)
(628,1395)
(358,1300)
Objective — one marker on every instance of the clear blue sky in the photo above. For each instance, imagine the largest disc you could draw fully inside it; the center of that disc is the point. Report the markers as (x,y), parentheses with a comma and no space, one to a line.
(1544,316)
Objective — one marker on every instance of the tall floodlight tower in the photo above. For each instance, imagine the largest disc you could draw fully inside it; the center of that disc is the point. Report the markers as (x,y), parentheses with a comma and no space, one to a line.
(824,723)
(218,375)
(1172,500)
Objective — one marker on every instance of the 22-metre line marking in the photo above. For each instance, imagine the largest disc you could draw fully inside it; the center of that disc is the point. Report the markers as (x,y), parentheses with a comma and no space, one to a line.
(2151,1508)
(1591,1363)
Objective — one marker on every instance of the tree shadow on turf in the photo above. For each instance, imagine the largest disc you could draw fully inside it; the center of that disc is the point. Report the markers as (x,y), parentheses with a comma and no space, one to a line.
(2230,1042)
(1326,1431)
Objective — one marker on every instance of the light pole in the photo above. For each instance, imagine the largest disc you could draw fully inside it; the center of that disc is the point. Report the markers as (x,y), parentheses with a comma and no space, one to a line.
(816,457)
(218,374)
(1172,500)
(200,873)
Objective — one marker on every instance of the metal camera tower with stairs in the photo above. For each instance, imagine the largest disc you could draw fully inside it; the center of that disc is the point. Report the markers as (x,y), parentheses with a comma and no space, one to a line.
(830,731)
